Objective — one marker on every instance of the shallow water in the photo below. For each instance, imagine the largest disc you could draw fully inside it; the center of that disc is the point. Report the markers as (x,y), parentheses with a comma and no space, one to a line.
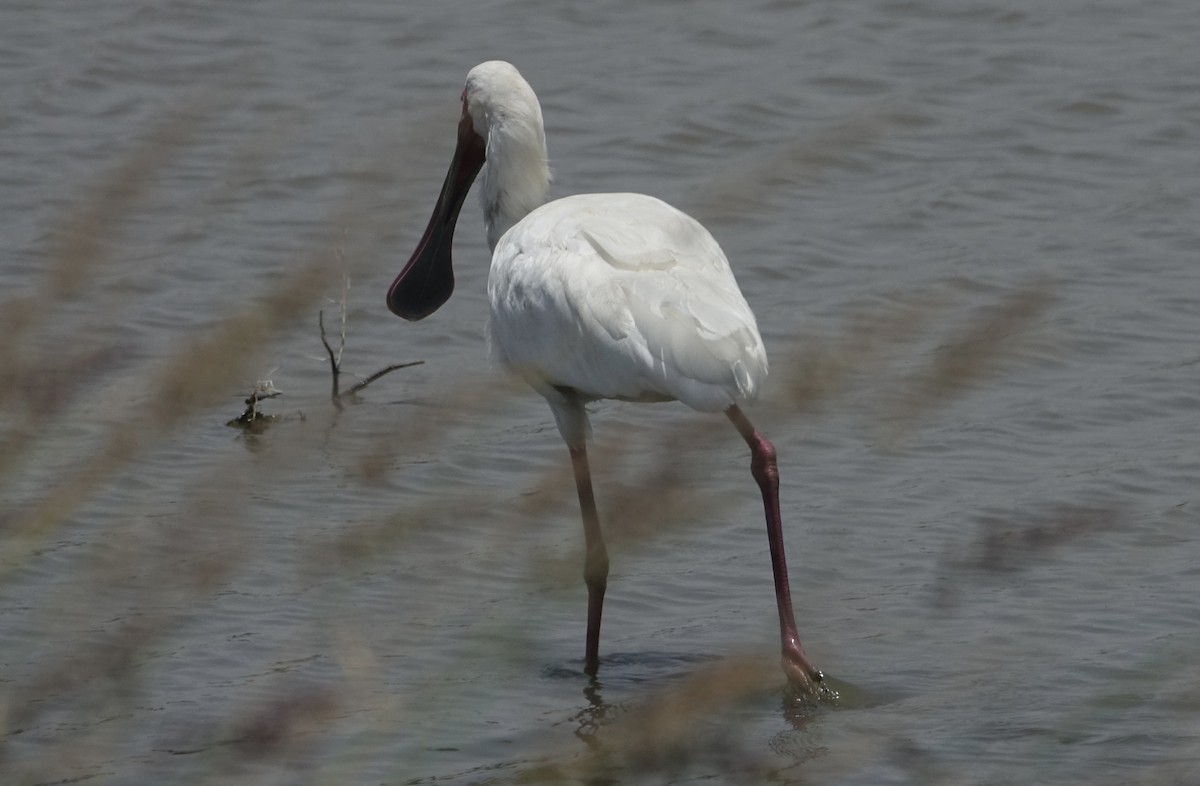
(970,228)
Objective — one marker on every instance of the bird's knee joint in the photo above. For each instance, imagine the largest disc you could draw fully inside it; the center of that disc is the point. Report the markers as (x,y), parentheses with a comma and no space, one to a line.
(765,449)
(595,569)
(767,477)
(763,465)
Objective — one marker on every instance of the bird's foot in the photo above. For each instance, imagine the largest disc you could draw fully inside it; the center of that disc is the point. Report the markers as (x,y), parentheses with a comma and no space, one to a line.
(804,677)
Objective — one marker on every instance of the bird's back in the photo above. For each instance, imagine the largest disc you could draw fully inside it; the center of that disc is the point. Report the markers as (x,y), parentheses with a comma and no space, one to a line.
(622,296)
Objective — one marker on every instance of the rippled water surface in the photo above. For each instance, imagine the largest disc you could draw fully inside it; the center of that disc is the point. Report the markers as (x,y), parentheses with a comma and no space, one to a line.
(968,231)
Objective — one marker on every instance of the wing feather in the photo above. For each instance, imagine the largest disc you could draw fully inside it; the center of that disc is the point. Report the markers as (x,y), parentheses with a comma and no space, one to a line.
(622,296)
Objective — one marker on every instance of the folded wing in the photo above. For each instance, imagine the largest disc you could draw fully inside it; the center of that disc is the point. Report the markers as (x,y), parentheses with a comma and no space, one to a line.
(622,296)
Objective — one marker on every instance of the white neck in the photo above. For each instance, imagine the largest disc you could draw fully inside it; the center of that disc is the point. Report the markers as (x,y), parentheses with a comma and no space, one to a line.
(516,175)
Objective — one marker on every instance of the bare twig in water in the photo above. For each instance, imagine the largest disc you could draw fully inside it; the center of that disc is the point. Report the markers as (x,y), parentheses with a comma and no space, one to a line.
(394,367)
(335,358)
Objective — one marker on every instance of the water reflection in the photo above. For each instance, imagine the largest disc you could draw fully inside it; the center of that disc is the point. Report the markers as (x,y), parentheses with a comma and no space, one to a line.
(663,712)
(590,718)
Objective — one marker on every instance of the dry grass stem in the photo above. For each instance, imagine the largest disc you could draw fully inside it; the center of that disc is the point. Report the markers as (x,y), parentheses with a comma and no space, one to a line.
(993,334)
(753,180)
(820,370)
(197,376)
(1008,544)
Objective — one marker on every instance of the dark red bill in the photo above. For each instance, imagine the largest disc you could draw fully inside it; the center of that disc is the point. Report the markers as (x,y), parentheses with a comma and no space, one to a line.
(427,281)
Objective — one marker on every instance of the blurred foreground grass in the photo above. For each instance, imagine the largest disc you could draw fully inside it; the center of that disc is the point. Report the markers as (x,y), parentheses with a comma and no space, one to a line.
(80,410)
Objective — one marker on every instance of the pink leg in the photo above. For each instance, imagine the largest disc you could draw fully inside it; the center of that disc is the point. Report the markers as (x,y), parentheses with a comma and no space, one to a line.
(799,669)
(595,562)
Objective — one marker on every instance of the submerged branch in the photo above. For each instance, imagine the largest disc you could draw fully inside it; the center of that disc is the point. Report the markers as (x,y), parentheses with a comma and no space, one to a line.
(335,363)
(335,360)
(380,373)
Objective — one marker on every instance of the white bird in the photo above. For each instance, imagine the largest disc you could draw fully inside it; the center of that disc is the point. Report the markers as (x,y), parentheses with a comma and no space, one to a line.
(598,296)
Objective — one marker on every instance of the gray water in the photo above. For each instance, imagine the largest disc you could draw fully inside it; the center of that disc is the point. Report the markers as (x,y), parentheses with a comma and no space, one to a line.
(997,564)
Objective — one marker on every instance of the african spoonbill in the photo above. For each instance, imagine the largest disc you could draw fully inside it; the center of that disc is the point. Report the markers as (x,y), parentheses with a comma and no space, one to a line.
(598,296)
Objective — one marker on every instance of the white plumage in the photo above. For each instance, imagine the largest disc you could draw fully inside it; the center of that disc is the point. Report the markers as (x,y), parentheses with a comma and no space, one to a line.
(617,296)
(621,296)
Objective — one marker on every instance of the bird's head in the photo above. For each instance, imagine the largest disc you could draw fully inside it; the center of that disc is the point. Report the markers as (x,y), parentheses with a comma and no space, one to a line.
(499,112)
